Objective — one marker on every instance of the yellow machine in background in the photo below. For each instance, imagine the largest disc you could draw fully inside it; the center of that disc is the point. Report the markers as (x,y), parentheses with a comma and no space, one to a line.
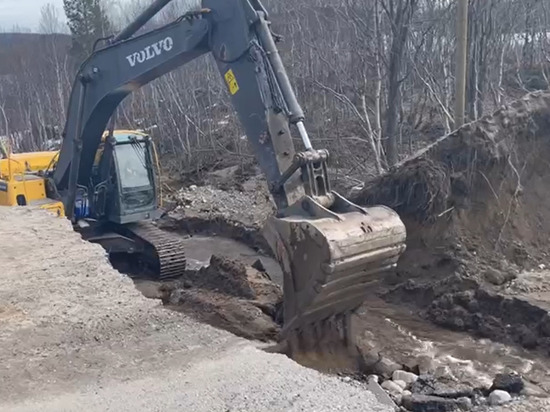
(22,182)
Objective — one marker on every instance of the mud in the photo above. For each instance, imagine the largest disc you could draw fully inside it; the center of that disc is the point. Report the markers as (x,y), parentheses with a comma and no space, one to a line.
(195,223)
(470,297)
(385,336)
(472,206)
(225,294)
(463,304)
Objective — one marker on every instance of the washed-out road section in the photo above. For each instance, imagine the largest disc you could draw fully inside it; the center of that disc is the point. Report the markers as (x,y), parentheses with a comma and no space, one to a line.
(74,332)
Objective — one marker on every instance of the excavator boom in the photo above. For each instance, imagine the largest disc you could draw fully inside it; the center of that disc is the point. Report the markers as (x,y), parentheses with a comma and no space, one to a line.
(330,249)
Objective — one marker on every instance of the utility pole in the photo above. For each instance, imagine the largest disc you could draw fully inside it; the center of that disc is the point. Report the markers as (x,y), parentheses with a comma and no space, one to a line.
(461,61)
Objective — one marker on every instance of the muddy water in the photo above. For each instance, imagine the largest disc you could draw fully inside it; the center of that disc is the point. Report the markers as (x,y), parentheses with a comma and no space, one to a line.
(400,333)
(199,249)
(403,336)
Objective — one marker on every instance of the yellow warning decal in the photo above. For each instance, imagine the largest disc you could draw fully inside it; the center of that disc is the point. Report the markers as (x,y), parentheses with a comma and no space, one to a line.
(231,82)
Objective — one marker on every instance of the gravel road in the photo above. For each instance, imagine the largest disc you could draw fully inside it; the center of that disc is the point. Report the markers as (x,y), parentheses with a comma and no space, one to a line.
(74,332)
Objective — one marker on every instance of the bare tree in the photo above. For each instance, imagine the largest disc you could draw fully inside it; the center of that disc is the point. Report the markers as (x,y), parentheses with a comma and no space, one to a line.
(374,77)
(50,20)
(399,14)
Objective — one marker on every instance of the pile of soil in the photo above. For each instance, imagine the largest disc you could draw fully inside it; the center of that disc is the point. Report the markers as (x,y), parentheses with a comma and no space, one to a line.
(249,203)
(474,206)
(229,295)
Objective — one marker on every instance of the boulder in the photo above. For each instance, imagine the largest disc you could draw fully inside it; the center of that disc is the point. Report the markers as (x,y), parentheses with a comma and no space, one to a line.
(426,365)
(499,397)
(401,384)
(385,367)
(407,377)
(509,382)
(425,403)
(392,387)
(374,378)
(446,388)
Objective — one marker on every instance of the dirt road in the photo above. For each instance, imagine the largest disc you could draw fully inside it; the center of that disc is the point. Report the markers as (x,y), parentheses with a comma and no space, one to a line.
(75,332)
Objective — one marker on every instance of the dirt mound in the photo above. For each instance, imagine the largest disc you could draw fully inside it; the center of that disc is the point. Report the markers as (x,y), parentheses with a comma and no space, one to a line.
(473,203)
(250,204)
(479,189)
(228,295)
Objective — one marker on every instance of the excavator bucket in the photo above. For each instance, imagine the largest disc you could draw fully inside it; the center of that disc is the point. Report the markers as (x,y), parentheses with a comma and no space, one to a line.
(330,256)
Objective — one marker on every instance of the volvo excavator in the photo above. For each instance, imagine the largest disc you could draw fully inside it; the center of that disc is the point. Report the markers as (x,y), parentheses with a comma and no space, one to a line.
(330,249)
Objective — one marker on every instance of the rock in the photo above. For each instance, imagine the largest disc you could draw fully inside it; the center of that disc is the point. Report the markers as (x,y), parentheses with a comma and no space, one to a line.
(392,387)
(426,365)
(407,377)
(544,325)
(385,367)
(193,187)
(407,393)
(533,390)
(526,336)
(424,403)
(379,393)
(499,397)
(520,254)
(443,372)
(497,277)
(493,276)
(464,403)
(369,359)
(373,378)
(443,387)
(401,384)
(509,382)
(398,399)
(259,265)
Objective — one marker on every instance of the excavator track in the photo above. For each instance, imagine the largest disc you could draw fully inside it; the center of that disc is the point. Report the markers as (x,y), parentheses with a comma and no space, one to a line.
(163,250)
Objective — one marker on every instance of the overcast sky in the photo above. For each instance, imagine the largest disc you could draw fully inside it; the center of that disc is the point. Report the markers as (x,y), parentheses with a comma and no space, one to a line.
(23,13)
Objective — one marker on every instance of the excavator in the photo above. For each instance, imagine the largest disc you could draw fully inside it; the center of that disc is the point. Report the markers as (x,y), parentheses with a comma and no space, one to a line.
(330,250)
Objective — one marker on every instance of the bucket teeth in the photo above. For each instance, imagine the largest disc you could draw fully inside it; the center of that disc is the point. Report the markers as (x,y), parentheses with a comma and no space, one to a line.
(330,257)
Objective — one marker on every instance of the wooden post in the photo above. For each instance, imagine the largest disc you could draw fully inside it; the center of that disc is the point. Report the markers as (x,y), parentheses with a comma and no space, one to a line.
(461,61)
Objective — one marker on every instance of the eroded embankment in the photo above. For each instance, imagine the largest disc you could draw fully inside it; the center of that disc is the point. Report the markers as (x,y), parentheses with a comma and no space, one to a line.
(226,294)
(473,204)
(76,332)
(385,337)
(472,207)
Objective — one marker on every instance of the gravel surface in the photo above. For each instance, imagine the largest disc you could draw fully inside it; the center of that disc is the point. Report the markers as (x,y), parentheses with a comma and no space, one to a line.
(75,332)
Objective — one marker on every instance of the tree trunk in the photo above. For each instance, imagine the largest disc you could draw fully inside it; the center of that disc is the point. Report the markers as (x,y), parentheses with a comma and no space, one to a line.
(400,26)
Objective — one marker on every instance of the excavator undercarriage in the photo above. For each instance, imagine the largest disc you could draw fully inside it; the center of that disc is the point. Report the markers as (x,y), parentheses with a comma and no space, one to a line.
(141,249)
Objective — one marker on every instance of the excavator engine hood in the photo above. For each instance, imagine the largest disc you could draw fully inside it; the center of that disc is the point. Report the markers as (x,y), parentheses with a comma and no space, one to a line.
(330,256)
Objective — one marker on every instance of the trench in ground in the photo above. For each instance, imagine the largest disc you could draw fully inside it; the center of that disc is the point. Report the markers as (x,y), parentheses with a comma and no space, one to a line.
(396,332)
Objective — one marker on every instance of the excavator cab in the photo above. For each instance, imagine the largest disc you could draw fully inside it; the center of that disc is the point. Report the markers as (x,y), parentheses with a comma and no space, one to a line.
(136,196)
(123,185)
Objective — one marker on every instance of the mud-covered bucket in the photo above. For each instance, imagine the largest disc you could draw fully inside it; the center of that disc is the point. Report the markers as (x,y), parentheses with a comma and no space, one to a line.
(330,257)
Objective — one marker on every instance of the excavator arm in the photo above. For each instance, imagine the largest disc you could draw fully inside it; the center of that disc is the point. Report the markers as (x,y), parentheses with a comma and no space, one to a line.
(330,250)
(228,30)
